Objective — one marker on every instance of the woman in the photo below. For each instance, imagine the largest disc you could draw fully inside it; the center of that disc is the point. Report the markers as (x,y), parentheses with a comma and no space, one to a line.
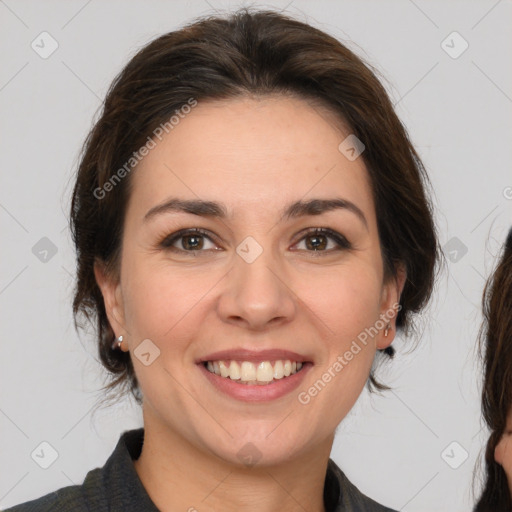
(251,227)
(496,348)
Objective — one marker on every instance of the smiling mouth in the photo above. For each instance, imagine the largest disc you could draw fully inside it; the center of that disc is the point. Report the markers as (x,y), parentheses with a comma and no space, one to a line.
(246,372)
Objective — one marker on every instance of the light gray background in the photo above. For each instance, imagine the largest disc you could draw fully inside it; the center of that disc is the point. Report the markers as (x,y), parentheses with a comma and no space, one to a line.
(458,112)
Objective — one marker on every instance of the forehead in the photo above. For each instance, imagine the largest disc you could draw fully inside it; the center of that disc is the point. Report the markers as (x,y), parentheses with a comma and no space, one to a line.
(263,152)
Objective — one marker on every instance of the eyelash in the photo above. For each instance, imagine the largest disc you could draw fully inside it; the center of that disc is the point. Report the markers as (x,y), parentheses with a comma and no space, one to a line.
(169,240)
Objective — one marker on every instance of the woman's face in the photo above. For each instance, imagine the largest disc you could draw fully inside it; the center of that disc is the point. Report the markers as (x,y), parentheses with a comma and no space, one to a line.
(503,451)
(254,281)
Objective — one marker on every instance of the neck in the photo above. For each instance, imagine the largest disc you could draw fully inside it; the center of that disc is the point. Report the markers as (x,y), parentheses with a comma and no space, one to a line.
(179,476)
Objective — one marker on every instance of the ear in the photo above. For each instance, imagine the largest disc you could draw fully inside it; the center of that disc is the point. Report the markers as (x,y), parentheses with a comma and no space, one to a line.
(112,297)
(498,452)
(391,292)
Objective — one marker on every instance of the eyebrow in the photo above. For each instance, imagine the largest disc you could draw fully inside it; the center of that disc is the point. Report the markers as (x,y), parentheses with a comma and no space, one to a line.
(219,210)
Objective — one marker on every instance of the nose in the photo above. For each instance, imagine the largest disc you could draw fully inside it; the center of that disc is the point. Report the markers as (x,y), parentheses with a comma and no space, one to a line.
(257,294)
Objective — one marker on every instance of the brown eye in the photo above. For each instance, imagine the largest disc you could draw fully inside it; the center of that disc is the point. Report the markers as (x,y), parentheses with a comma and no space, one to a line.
(316,242)
(317,239)
(192,242)
(188,240)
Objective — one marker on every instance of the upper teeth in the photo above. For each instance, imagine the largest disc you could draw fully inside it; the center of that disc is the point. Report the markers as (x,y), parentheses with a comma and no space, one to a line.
(260,372)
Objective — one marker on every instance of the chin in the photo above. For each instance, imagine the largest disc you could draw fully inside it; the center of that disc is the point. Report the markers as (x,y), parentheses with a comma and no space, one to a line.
(261,446)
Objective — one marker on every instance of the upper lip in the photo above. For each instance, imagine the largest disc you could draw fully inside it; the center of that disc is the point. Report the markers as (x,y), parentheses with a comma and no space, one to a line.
(252,355)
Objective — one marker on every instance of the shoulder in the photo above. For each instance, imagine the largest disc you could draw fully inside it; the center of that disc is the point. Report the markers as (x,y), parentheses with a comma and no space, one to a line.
(116,485)
(74,498)
(350,498)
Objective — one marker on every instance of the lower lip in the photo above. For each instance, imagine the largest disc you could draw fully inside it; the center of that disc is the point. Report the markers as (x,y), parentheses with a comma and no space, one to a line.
(256,392)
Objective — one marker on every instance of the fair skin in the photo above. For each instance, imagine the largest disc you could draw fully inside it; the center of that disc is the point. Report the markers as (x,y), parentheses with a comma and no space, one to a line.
(503,451)
(255,156)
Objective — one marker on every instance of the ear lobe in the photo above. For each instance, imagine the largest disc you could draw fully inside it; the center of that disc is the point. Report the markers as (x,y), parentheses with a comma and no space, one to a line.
(392,290)
(112,297)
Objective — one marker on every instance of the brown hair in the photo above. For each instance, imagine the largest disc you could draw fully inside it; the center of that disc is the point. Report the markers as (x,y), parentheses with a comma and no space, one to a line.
(496,352)
(248,53)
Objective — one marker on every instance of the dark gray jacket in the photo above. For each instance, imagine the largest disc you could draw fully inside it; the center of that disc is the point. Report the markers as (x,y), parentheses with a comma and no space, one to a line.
(116,487)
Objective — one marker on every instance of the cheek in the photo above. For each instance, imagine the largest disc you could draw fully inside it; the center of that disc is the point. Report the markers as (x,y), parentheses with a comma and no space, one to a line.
(159,299)
(346,298)
(500,452)
(503,452)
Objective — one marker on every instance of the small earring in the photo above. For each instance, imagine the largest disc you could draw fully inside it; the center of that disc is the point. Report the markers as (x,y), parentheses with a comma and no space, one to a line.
(388,327)
(117,343)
